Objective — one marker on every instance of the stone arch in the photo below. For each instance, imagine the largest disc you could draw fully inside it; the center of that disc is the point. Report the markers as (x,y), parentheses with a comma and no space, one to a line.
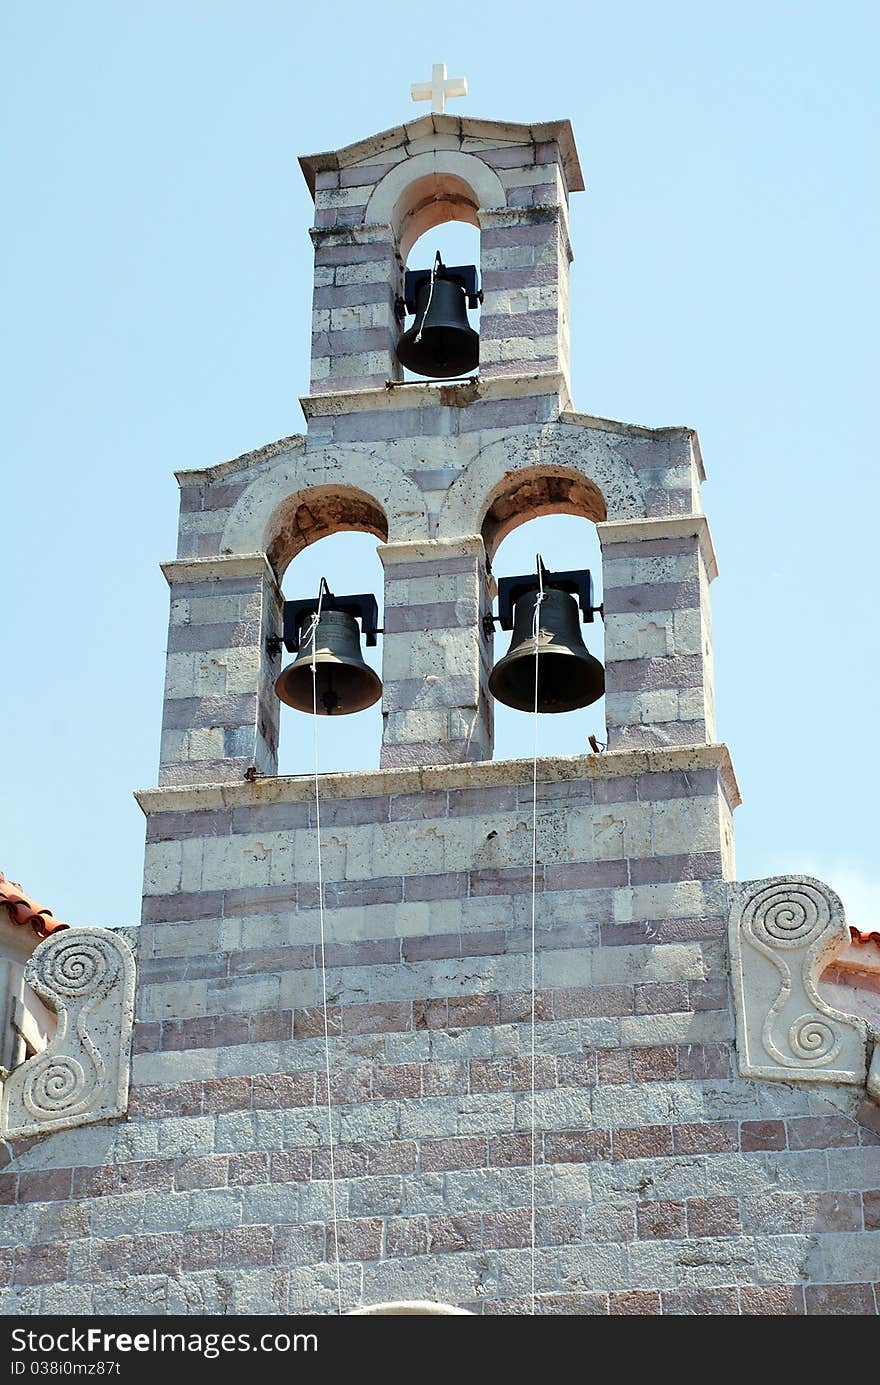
(562,469)
(535,491)
(428,189)
(304,497)
(309,515)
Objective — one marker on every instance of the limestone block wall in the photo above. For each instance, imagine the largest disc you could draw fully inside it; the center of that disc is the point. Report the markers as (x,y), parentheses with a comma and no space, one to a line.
(666,1182)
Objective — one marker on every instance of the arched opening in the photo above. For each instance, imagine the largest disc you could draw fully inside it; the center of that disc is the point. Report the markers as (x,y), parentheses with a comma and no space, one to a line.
(304,518)
(430,202)
(523,496)
(566,542)
(350,564)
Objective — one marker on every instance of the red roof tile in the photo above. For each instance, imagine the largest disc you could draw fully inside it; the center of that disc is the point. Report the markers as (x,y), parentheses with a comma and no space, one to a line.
(23,909)
(859,937)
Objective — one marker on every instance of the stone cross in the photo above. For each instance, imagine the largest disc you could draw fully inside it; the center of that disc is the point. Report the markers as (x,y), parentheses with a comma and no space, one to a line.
(439,87)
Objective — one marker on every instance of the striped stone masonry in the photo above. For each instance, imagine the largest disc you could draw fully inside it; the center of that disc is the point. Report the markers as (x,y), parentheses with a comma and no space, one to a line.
(666,1183)
(525,257)
(658,632)
(220,715)
(436,659)
(354,328)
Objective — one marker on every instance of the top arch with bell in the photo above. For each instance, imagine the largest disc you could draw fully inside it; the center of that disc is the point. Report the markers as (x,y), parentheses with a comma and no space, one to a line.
(380,194)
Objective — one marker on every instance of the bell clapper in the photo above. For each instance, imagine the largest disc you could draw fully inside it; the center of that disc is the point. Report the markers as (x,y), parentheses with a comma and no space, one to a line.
(329,698)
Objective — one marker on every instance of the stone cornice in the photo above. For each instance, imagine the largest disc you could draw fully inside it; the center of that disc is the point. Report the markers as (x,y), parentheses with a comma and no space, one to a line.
(484,773)
(203,569)
(664,527)
(220,470)
(421,394)
(464,128)
(415,550)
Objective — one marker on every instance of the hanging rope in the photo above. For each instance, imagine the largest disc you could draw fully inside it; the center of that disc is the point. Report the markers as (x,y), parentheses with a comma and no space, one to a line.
(313,635)
(437,262)
(536,630)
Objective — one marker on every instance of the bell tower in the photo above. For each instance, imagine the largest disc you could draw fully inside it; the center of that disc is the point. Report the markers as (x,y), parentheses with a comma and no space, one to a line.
(574,1065)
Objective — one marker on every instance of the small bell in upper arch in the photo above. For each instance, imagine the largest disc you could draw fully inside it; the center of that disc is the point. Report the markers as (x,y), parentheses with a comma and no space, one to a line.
(441,342)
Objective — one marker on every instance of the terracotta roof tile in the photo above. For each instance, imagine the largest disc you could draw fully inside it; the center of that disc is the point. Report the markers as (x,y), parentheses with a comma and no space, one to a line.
(23,909)
(860,938)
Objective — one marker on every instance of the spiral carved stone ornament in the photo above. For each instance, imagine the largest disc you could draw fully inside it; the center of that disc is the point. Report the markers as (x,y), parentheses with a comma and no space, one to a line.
(87,977)
(783,933)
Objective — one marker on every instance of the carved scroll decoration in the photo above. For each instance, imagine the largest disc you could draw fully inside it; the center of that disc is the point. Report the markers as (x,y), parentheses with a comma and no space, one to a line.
(86,975)
(783,933)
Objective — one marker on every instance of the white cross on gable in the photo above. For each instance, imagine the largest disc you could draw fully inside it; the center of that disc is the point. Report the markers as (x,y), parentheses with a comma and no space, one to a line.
(439,88)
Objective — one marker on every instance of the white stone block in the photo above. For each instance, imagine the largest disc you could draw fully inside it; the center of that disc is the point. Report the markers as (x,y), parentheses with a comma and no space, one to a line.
(373,272)
(703,1027)
(688,633)
(639,964)
(242,668)
(210,676)
(627,572)
(162,865)
(180,675)
(684,825)
(362,363)
(692,705)
(570,967)
(500,349)
(205,743)
(646,635)
(360,315)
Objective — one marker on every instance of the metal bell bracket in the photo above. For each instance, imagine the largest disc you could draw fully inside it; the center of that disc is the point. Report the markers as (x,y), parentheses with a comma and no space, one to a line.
(364,606)
(578,583)
(465,275)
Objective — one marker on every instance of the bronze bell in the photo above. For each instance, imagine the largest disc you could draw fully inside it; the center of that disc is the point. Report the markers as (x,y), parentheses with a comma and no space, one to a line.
(568,675)
(441,341)
(343,682)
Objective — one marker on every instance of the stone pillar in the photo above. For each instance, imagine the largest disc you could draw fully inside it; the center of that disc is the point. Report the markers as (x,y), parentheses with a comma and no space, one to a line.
(354,329)
(658,633)
(525,255)
(436,660)
(220,713)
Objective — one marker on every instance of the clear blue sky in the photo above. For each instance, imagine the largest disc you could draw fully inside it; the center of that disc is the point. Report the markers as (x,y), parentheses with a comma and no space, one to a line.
(157,312)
